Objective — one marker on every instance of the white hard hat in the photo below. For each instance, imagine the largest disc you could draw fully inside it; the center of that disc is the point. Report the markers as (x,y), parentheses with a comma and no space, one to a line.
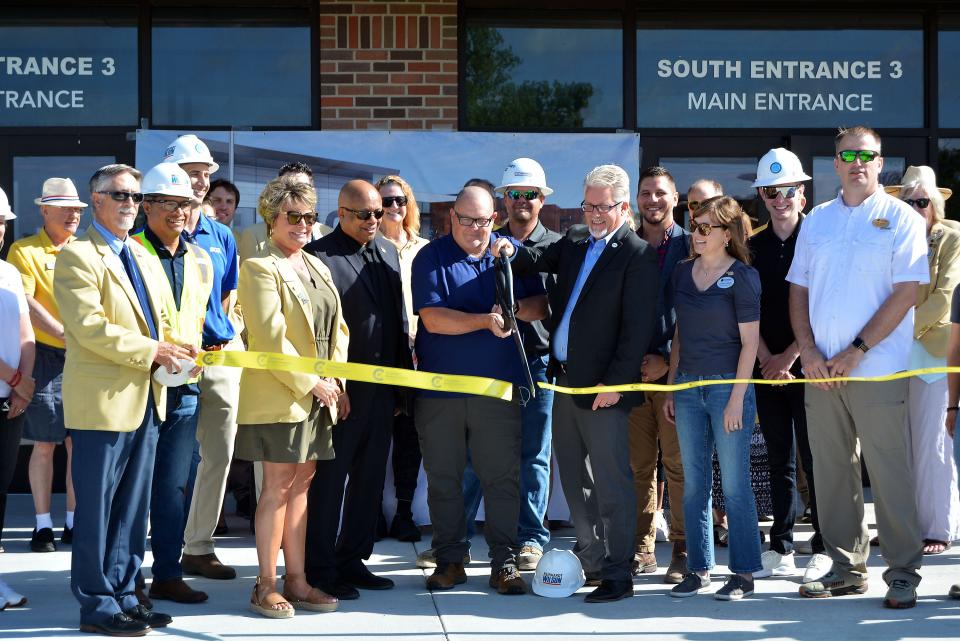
(5,210)
(779,167)
(558,574)
(187,149)
(167,179)
(524,172)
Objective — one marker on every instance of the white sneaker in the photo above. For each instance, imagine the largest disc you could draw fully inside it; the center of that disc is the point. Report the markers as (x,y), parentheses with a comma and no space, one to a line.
(776,564)
(660,522)
(9,598)
(818,566)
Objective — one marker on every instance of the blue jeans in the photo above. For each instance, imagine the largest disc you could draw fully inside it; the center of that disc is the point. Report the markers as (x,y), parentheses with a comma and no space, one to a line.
(699,414)
(170,497)
(535,439)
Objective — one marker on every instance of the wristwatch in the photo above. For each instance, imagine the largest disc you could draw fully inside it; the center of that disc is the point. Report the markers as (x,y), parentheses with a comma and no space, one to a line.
(860,344)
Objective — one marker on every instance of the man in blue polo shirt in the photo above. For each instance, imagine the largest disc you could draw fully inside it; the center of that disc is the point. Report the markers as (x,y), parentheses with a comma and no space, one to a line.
(220,386)
(461,332)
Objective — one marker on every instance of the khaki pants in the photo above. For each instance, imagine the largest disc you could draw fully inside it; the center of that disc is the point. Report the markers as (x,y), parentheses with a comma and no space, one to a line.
(216,432)
(648,424)
(876,414)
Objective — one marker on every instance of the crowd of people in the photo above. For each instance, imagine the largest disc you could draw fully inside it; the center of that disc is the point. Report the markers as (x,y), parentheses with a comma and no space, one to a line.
(102,330)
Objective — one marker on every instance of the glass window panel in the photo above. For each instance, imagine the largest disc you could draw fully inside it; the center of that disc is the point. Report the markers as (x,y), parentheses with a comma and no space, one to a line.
(68,76)
(948,173)
(734,174)
(746,78)
(544,78)
(201,76)
(826,183)
(949,85)
(29,172)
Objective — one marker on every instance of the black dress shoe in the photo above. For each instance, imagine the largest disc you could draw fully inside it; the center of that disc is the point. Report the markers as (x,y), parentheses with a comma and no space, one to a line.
(119,625)
(403,528)
(364,579)
(151,618)
(42,540)
(67,537)
(342,591)
(609,591)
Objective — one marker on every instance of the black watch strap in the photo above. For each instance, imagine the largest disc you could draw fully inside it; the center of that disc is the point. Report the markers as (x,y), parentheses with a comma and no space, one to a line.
(860,344)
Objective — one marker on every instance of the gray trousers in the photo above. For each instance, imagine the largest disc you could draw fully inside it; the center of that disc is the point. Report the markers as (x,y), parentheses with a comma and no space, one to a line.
(876,414)
(593,454)
(490,428)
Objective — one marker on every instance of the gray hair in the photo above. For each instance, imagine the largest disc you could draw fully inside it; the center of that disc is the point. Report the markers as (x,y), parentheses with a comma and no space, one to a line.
(106,173)
(936,198)
(613,177)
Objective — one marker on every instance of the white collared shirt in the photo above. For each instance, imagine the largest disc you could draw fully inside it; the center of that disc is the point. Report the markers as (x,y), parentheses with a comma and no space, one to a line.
(849,259)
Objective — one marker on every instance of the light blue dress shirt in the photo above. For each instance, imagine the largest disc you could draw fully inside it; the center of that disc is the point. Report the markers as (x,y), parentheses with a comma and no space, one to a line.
(563,329)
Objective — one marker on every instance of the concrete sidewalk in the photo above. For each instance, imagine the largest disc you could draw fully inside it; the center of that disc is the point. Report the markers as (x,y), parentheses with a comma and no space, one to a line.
(474,612)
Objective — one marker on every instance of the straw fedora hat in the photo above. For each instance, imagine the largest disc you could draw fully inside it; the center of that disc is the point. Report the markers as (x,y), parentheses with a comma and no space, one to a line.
(921,174)
(59,192)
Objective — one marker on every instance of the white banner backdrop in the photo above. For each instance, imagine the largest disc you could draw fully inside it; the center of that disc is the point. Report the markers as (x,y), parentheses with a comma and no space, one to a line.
(436,164)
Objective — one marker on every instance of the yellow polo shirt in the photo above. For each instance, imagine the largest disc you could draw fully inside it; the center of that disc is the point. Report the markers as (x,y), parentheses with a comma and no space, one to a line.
(35,257)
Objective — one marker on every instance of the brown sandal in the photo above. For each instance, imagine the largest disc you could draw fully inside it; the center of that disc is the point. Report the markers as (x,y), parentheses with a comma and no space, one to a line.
(316,600)
(266,605)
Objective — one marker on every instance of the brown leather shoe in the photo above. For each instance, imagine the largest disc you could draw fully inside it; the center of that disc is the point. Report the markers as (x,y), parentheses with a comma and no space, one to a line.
(446,576)
(176,590)
(644,563)
(207,565)
(507,580)
(678,564)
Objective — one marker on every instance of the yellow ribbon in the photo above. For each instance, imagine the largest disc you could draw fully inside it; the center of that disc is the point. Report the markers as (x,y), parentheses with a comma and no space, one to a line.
(476,385)
(655,387)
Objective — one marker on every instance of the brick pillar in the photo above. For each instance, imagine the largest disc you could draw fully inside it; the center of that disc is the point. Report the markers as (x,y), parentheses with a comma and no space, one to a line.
(388,65)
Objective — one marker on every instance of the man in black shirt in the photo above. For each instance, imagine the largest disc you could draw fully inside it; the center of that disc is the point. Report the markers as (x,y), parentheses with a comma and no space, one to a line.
(366,270)
(781,410)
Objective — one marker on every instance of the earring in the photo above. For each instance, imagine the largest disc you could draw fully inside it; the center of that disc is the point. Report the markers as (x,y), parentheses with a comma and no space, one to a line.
(726,243)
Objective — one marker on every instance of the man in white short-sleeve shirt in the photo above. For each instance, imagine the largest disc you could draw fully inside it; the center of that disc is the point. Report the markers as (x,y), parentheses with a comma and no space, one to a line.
(858,263)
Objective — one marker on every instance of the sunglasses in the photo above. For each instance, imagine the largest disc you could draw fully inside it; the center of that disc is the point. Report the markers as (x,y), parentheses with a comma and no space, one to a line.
(294,217)
(365,214)
(390,201)
(865,155)
(704,229)
(516,194)
(171,205)
(786,192)
(469,221)
(693,205)
(121,196)
(919,203)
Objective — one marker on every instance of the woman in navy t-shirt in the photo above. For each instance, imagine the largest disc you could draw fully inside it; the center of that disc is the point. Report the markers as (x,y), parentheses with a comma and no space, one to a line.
(717,299)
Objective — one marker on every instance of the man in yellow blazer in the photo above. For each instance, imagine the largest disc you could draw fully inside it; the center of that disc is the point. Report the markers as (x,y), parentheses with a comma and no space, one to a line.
(108,291)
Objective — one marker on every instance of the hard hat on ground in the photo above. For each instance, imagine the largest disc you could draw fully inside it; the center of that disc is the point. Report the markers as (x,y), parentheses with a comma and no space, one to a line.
(558,574)
(188,149)
(779,167)
(524,172)
(167,179)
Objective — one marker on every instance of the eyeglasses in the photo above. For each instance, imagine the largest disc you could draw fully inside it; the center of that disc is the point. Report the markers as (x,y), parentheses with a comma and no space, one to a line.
(469,221)
(865,155)
(919,203)
(171,205)
(365,214)
(294,217)
(589,208)
(787,192)
(390,201)
(693,205)
(704,229)
(121,196)
(516,194)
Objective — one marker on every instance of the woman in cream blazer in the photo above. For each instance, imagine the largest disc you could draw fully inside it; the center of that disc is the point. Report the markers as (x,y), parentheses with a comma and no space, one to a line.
(285,419)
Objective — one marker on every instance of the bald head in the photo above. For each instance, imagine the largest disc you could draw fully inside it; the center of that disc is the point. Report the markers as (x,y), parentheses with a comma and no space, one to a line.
(474,199)
(360,210)
(473,208)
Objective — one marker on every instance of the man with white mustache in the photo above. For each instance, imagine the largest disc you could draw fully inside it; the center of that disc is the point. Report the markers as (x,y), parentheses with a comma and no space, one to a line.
(604,305)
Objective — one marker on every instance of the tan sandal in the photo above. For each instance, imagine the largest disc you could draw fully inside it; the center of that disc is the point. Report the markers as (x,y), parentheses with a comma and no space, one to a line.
(266,605)
(316,599)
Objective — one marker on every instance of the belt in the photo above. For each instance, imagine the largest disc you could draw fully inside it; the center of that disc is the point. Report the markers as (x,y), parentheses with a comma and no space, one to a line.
(216,347)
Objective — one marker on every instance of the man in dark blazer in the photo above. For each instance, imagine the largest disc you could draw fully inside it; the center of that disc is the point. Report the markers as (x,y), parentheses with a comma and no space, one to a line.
(602,323)
(366,270)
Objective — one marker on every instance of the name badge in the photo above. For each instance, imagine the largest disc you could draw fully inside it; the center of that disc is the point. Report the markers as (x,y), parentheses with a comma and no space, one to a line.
(725,283)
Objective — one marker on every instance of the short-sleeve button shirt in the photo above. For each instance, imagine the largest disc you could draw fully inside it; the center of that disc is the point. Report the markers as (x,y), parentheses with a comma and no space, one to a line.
(35,256)
(849,259)
(217,240)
